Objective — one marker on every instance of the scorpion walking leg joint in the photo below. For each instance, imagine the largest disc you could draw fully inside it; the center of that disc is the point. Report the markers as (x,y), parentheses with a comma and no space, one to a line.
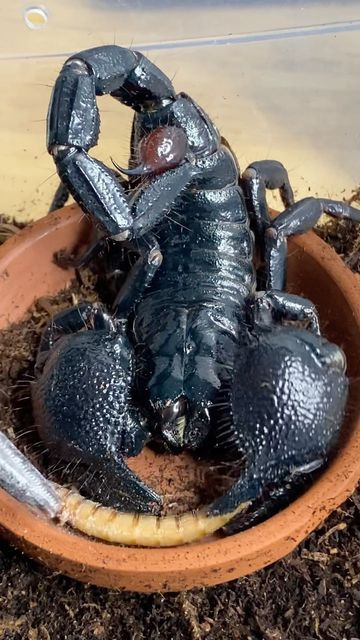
(299,218)
(259,176)
(139,277)
(275,307)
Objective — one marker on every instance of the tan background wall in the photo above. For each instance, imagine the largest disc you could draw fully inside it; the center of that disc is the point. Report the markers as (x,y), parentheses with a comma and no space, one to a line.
(279,79)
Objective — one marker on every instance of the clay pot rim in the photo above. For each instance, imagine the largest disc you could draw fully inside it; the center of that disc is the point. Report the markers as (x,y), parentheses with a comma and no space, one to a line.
(255,546)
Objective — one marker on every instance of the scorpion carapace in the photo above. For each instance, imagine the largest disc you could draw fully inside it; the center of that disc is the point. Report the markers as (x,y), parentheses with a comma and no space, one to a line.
(192,354)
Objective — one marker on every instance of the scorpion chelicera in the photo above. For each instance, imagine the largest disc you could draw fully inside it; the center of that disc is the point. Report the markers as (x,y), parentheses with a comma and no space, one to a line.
(201,352)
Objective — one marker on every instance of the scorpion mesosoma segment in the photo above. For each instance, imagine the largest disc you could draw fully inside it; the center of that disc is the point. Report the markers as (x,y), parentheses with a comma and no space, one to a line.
(193,355)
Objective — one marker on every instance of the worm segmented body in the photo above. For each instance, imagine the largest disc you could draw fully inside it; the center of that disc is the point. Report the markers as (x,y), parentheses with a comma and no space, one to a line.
(138,529)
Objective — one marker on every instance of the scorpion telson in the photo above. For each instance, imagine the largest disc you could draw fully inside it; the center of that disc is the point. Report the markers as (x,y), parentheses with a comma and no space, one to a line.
(192,356)
(162,149)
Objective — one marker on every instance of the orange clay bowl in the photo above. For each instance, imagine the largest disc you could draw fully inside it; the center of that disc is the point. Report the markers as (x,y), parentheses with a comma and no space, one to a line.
(27,272)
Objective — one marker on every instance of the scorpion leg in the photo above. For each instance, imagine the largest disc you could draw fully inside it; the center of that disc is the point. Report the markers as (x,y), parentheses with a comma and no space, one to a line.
(67,260)
(276,306)
(60,198)
(140,275)
(83,403)
(297,219)
(94,187)
(62,194)
(73,128)
(257,177)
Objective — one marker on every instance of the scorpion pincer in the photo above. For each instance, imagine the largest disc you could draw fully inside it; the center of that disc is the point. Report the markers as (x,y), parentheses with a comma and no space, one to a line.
(193,355)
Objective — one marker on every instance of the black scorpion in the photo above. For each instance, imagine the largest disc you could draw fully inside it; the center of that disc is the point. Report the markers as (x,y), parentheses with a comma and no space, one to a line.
(193,354)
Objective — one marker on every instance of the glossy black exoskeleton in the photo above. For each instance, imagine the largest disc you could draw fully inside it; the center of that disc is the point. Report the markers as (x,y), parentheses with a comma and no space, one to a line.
(192,354)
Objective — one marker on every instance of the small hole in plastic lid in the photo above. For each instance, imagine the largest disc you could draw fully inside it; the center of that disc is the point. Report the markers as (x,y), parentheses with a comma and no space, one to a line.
(35,17)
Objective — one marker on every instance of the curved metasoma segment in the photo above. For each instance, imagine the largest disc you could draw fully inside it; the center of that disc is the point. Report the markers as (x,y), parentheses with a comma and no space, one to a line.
(137,529)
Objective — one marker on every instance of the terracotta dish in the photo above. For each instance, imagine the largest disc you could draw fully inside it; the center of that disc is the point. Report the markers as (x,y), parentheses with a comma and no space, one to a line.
(27,272)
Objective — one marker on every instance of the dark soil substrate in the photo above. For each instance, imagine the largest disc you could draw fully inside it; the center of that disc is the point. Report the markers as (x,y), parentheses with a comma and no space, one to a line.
(313,593)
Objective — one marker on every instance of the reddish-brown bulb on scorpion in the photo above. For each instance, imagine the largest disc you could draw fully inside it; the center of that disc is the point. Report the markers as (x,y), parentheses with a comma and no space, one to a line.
(164,148)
